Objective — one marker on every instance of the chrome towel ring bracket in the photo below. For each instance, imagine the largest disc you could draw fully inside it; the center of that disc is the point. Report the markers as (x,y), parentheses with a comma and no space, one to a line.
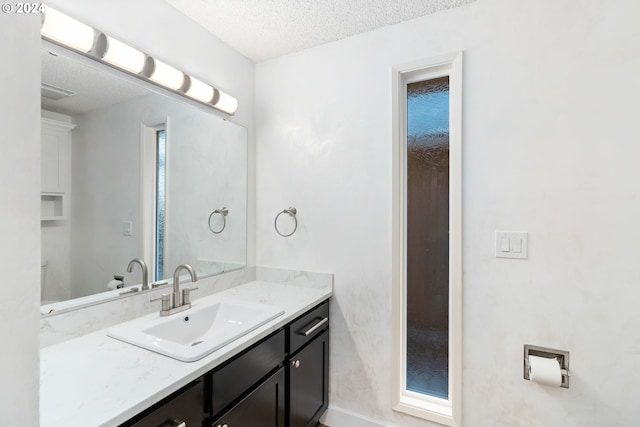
(292,212)
(223,213)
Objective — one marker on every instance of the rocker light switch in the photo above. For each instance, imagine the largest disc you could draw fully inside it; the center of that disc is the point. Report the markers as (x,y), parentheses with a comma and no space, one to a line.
(511,244)
(517,245)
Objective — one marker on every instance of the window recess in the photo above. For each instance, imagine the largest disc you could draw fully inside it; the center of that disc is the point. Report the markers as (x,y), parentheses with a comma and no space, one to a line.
(427,260)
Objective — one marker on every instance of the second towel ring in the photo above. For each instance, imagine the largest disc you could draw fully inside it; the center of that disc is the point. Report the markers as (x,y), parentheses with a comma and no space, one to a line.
(292,213)
(223,213)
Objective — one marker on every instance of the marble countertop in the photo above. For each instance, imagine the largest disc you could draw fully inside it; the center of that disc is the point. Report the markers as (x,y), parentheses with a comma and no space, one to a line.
(95,380)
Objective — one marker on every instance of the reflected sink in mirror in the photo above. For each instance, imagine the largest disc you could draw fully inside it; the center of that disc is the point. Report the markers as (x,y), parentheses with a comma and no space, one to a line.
(192,334)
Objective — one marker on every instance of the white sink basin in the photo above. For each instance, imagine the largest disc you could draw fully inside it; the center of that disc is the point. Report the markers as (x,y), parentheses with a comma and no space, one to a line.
(194,333)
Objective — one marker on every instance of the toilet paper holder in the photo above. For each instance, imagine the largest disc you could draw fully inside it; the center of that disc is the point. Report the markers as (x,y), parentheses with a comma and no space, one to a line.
(560,355)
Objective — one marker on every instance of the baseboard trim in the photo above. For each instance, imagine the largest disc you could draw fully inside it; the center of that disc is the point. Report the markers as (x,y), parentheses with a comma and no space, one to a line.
(338,417)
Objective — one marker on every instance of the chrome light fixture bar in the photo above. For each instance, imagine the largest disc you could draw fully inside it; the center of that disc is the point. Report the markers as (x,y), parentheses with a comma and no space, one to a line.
(70,33)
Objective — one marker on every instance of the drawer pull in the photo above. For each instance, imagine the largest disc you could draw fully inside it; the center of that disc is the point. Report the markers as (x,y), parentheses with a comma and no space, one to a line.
(295,363)
(177,423)
(315,327)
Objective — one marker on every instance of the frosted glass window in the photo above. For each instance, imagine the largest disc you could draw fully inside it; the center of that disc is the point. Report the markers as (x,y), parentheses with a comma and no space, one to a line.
(161,150)
(427,293)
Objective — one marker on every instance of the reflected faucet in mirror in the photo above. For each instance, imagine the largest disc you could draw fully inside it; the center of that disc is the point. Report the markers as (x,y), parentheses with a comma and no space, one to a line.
(145,272)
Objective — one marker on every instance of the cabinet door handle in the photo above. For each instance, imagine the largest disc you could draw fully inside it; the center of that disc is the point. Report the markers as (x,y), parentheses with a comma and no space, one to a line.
(177,423)
(314,327)
(295,363)
(222,425)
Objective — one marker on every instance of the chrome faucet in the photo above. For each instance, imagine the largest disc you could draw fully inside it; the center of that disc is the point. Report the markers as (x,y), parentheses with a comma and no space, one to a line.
(145,273)
(176,286)
(176,304)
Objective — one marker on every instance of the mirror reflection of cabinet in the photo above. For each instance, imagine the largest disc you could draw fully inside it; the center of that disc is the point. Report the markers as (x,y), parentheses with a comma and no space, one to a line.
(55,146)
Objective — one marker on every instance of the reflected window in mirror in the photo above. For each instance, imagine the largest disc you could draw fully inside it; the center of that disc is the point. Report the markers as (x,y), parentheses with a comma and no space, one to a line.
(155,196)
(160,190)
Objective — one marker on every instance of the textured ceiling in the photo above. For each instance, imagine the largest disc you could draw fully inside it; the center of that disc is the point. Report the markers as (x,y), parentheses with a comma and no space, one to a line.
(95,89)
(265,29)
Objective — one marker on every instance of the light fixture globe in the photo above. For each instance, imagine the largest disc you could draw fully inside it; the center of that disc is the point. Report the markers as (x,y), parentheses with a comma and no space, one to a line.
(199,90)
(120,54)
(225,102)
(165,75)
(62,29)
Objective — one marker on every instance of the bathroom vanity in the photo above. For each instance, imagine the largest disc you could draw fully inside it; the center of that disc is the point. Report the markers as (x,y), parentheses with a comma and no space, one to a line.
(279,381)
(276,375)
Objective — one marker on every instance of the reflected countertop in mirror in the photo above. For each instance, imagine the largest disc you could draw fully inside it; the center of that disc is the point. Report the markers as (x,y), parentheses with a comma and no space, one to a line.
(142,175)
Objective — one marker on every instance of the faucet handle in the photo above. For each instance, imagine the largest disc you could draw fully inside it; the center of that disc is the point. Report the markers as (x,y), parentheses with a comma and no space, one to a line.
(186,295)
(166,301)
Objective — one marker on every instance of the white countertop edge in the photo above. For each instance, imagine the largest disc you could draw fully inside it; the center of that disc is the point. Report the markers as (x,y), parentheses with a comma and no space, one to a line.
(98,380)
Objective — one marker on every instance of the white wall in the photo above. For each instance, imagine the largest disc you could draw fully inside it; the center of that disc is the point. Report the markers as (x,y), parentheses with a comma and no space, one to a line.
(550,143)
(19,218)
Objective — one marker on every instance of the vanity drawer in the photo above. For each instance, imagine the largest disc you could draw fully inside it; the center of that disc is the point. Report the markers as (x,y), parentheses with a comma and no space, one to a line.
(183,406)
(308,326)
(244,371)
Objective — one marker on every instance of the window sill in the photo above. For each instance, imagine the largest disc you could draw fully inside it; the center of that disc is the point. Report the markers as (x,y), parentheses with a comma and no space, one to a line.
(435,410)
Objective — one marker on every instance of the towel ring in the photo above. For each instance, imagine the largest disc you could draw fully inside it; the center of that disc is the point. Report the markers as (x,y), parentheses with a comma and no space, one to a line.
(223,213)
(292,213)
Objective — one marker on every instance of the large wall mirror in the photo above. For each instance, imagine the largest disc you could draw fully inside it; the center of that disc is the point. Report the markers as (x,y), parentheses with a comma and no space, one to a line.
(129,172)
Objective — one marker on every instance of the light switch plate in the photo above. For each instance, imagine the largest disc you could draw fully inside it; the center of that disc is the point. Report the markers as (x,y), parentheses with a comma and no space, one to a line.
(127,228)
(512,244)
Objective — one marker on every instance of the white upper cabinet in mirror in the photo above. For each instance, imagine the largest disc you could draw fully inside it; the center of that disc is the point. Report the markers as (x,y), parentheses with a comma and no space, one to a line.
(144,173)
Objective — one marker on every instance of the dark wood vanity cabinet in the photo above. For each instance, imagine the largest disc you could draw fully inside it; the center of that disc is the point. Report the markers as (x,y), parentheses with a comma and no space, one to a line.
(308,367)
(281,381)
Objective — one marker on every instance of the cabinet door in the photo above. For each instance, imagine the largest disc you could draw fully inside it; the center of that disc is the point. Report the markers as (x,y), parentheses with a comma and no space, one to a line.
(54,154)
(263,407)
(308,382)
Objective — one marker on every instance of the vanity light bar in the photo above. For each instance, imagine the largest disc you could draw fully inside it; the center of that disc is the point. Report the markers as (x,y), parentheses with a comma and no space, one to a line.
(68,32)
